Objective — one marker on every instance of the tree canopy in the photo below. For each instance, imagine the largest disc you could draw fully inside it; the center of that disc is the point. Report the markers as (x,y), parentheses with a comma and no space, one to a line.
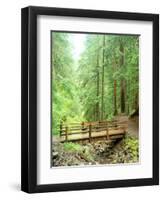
(103,83)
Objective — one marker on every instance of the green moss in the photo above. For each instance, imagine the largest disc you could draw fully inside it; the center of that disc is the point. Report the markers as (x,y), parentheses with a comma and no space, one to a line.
(83,151)
(131,145)
(74,147)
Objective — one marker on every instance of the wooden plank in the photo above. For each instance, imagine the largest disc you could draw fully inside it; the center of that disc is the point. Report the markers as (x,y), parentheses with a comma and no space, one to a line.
(107,133)
(94,123)
(112,133)
(116,132)
(66,134)
(90,130)
(71,127)
(75,133)
(83,127)
(60,128)
(75,129)
(93,130)
(116,136)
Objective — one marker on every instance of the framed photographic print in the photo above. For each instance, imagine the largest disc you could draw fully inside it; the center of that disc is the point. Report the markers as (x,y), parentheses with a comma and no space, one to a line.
(90,99)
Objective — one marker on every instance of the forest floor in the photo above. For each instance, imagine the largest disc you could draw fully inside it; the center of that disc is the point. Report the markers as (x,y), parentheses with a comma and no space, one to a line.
(98,151)
(133,124)
(133,127)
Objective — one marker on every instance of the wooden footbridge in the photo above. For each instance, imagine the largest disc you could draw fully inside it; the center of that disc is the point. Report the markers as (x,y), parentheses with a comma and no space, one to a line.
(89,130)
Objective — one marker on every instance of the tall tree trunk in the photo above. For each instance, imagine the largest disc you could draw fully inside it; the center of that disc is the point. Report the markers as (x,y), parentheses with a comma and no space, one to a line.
(115,90)
(136,101)
(97,89)
(128,97)
(137,95)
(102,85)
(94,112)
(123,83)
(115,97)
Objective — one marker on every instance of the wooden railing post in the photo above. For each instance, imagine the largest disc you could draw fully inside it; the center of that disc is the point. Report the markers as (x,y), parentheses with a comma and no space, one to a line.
(107,132)
(66,133)
(82,125)
(60,128)
(90,130)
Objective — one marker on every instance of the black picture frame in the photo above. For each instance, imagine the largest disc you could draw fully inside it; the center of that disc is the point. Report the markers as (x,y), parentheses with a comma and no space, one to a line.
(29,99)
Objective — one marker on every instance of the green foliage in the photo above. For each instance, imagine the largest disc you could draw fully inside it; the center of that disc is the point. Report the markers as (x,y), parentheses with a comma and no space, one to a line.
(65,101)
(89,69)
(74,147)
(83,151)
(131,145)
(77,88)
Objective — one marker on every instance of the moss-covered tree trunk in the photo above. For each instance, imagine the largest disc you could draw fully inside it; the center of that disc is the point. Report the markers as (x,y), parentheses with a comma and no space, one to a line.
(123,82)
(102,85)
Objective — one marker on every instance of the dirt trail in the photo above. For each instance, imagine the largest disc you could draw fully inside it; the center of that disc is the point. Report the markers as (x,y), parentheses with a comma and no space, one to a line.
(133,124)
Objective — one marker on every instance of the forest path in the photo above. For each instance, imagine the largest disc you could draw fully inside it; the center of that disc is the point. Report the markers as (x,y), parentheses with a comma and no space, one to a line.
(133,124)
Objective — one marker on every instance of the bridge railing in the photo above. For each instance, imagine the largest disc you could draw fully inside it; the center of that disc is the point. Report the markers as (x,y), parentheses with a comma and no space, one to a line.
(67,129)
